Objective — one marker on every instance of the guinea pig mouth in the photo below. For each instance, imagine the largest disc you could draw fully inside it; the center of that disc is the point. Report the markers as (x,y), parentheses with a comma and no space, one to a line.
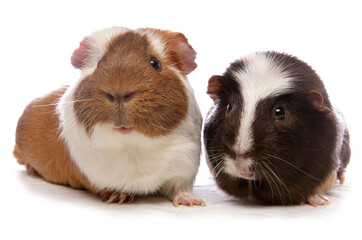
(239,169)
(123,129)
(246,175)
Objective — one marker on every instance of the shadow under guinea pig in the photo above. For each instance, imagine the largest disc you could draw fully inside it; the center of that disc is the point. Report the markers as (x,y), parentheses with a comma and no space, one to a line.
(217,201)
(60,193)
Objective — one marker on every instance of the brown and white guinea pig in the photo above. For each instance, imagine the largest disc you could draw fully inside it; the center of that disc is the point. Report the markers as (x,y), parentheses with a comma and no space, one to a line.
(129,126)
(272,133)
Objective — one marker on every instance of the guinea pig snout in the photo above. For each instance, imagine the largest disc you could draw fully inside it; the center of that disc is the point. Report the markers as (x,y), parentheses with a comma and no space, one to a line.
(244,168)
(241,166)
(120,97)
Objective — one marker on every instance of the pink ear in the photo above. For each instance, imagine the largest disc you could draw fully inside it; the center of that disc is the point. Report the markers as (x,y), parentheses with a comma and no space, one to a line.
(80,54)
(316,99)
(214,87)
(185,53)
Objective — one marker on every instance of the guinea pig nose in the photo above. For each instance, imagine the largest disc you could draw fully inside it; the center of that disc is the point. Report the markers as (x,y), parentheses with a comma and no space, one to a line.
(128,96)
(119,98)
(110,97)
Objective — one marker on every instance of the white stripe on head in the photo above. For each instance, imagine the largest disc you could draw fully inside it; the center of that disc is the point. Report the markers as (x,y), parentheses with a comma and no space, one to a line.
(260,79)
(155,39)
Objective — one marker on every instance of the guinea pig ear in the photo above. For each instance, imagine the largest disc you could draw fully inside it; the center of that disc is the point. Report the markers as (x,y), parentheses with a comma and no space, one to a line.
(81,54)
(316,99)
(214,87)
(93,47)
(184,52)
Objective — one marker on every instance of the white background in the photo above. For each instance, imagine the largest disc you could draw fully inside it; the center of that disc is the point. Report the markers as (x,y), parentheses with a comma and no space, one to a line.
(37,39)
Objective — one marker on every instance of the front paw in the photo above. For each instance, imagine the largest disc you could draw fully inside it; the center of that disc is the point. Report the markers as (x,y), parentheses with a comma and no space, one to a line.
(187,199)
(116,197)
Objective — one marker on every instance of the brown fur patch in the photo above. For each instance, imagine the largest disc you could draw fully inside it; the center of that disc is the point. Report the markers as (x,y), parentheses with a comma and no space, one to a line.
(327,184)
(160,101)
(214,87)
(180,52)
(40,147)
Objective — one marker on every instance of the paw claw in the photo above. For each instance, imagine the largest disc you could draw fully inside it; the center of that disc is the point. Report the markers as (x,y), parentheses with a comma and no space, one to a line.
(122,198)
(112,198)
(130,198)
(116,197)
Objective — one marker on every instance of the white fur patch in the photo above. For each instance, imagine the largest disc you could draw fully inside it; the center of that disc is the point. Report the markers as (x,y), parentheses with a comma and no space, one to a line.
(237,166)
(261,78)
(341,129)
(132,163)
(156,41)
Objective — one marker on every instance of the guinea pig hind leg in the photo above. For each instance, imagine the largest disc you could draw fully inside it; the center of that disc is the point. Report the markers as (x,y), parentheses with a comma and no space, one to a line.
(116,197)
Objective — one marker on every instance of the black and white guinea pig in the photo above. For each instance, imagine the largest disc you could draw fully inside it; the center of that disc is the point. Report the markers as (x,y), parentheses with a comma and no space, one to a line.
(129,126)
(272,133)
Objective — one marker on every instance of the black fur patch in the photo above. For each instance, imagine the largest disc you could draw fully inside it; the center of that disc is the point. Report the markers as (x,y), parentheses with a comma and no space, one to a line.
(292,156)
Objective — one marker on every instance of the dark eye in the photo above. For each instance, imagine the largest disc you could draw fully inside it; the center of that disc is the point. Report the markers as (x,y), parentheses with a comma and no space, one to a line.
(155,64)
(279,113)
(229,107)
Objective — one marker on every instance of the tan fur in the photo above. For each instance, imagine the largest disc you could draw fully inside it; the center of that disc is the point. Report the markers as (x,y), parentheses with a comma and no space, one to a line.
(38,143)
(327,184)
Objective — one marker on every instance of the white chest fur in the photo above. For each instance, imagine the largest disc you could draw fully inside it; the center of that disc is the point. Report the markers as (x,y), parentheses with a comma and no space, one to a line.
(132,162)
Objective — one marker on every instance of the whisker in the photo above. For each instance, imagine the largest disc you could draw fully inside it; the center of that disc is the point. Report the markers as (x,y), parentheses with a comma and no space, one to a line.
(158,125)
(218,169)
(280,181)
(272,179)
(68,102)
(216,150)
(256,170)
(278,158)
(267,176)
(215,157)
